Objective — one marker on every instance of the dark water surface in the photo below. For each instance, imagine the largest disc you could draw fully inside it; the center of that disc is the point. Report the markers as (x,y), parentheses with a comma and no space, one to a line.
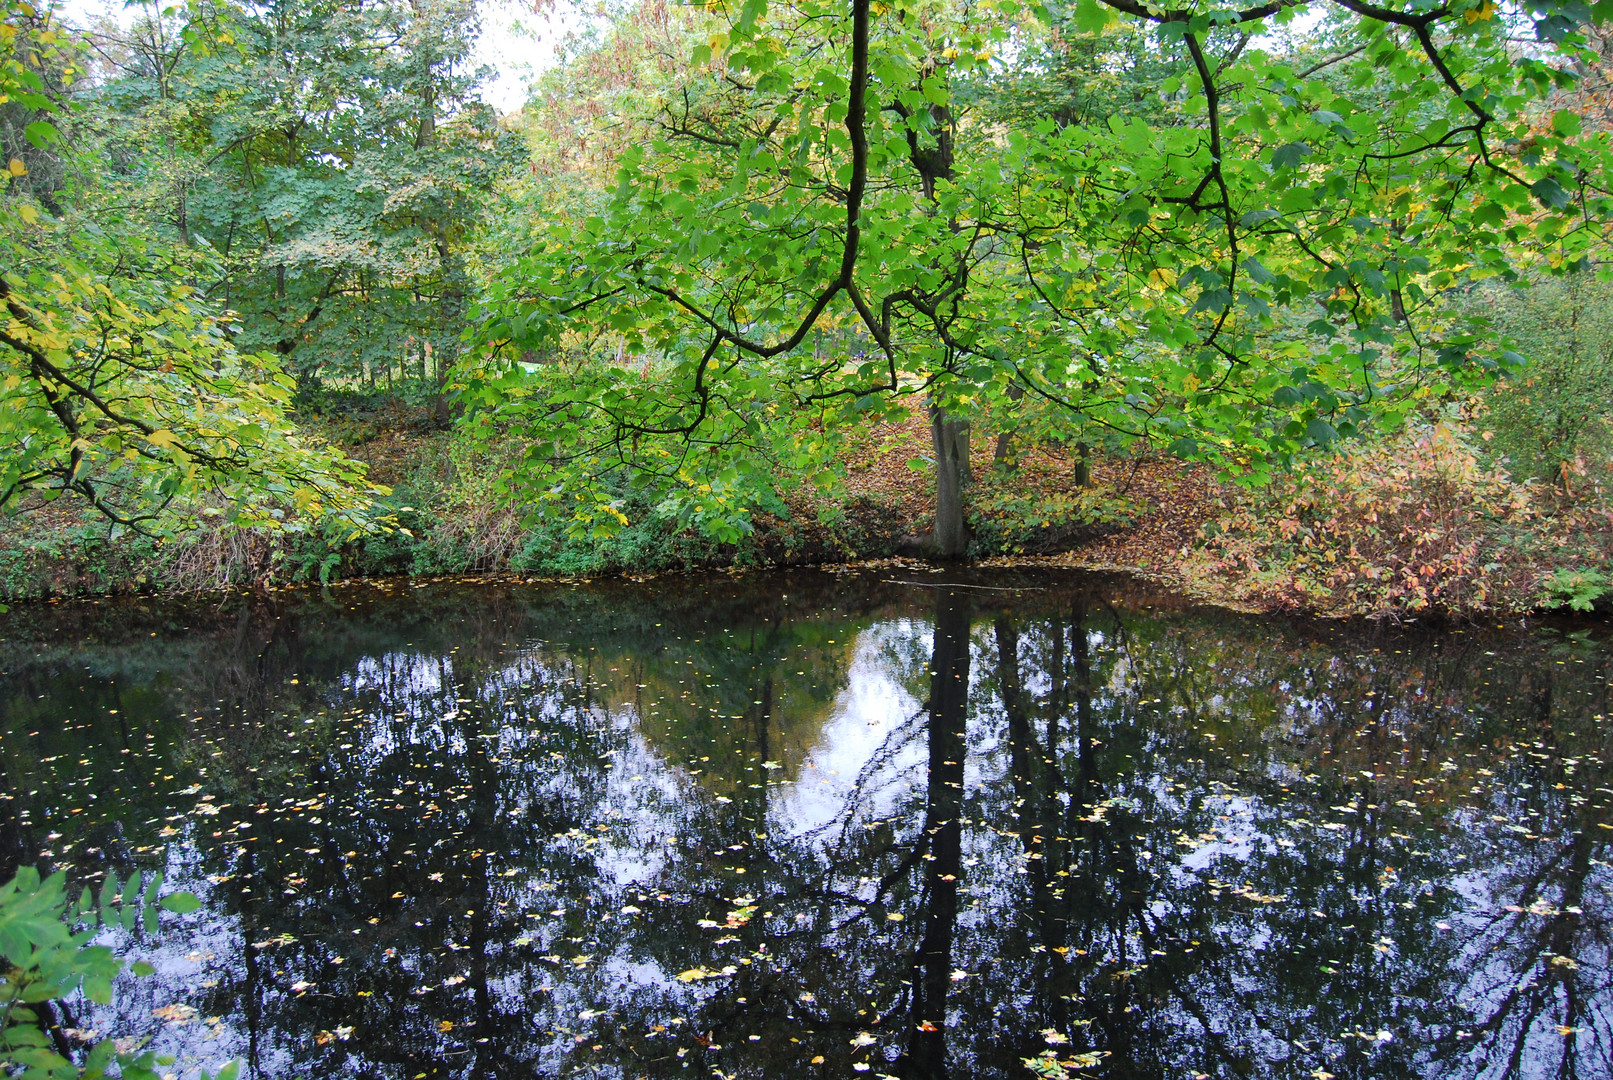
(818,826)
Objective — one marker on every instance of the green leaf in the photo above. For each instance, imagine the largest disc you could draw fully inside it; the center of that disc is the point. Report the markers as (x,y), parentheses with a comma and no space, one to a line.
(1551,193)
(1090,16)
(1290,155)
(1320,432)
(181,903)
(41,133)
(1566,123)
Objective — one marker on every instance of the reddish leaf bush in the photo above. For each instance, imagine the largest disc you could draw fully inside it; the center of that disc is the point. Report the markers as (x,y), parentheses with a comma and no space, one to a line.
(1416,523)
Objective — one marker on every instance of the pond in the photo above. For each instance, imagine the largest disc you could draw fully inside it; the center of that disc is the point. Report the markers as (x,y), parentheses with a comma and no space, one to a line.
(816,825)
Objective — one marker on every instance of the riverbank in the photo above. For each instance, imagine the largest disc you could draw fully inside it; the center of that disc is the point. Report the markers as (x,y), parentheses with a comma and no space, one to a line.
(1419,526)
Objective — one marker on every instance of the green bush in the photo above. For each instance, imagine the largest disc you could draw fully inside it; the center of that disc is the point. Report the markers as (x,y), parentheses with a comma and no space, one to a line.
(46,946)
(1012,522)
(1556,408)
(1578,589)
(652,541)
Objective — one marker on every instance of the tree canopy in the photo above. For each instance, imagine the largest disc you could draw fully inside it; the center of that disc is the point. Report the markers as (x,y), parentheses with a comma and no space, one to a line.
(1250,257)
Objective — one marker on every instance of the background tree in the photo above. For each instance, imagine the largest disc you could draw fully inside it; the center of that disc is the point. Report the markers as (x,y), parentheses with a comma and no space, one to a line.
(336,158)
(1557,407)
(119,383)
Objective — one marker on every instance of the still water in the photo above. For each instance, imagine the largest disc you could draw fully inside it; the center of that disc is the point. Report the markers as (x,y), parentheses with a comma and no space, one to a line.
(828,826)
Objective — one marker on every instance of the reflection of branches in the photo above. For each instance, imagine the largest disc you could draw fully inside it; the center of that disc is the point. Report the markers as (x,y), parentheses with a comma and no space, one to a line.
(1552,952)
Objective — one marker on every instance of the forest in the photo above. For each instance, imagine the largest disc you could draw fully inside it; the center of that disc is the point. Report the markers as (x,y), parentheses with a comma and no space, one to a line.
(919,538)
(1301,306)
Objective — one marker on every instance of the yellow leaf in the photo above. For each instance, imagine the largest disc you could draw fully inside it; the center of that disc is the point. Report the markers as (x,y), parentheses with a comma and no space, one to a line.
(161,437)
(692,975)
(17,168)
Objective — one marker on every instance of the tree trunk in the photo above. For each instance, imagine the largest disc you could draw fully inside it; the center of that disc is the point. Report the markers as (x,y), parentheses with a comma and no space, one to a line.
(960,449)
(1083,465)
(950,538)
(1005,438)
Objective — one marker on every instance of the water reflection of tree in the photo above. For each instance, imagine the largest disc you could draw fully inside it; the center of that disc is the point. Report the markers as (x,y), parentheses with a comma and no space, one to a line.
(925,1057)
(1118,803)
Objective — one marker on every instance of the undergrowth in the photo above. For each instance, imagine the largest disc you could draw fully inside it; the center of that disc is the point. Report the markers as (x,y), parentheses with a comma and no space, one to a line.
(1018,519)
(1416,523)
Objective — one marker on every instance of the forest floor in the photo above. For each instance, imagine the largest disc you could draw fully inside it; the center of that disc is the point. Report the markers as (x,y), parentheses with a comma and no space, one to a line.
(1487,548)
(1161,502)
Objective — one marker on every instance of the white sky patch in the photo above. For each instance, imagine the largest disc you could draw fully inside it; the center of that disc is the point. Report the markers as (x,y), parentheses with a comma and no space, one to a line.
(872,705)
(516,43)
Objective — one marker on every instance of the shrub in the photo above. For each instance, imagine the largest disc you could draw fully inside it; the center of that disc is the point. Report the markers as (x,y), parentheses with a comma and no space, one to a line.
(1014,521)
(1413,523)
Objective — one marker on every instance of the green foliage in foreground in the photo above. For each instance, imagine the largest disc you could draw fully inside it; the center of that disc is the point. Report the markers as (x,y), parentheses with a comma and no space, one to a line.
(46,943)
